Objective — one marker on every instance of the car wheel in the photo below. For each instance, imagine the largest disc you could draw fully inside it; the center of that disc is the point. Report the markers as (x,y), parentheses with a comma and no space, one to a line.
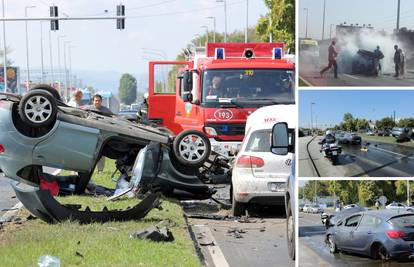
(192,148)
(237,208)
(381,253)
(38,108)
(49,89)
(290,231)
(332,246)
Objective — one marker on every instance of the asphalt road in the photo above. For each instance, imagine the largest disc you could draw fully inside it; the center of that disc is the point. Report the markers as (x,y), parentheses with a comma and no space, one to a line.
(310,74)
(263,243)
(381,160)
(7,196)
(314,252)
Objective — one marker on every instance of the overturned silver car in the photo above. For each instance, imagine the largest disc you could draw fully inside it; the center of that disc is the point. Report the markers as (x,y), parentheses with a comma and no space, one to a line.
(38,130)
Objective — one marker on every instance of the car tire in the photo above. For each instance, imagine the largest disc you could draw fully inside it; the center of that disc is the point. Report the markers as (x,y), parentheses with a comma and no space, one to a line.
(237,208)
(188,145)
(332,246)
(49,89)
(380,252)
(290,231)
(38,108)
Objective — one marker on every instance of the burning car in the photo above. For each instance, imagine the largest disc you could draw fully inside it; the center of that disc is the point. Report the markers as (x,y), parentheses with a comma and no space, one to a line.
(38,130)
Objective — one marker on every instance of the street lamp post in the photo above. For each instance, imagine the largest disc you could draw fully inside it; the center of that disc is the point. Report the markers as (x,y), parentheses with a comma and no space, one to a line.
(214,27)
(306,25)
(225,18)
(51,57)
(4,51)
(312,103)
(27,48)
(41,53)
(323,20)
(71,83)
(65,66)
(59,66)
(205,27)
(247,22)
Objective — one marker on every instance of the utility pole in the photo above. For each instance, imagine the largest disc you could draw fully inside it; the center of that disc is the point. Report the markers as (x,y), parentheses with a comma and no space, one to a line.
(247,22)
(62,93)
(51,57)
(225,18)
(27,49)
(270,29)
(306,25)
(408,193)
(316,196)
(312,103)
(398,15)
(323,20)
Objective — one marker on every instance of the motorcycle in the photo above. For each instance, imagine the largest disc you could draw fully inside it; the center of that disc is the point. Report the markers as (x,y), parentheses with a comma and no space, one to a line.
(331,151)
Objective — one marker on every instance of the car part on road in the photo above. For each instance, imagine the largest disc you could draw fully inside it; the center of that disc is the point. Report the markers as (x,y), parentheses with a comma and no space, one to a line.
(41,204)
(192,148)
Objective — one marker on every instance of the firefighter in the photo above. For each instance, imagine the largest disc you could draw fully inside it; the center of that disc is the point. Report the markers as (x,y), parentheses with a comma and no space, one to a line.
(378,56)
(402,62)
(332,54)
(397,60)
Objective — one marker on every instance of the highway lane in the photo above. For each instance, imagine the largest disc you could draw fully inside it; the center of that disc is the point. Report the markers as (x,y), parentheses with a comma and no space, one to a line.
(381,160)
(314,252)
(310,74)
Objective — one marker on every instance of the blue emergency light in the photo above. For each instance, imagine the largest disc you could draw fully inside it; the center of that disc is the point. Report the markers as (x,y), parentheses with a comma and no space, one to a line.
(219,53)
(277,53)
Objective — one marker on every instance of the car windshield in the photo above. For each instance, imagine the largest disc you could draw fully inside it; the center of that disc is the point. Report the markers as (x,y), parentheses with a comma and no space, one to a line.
(403,221)
(227,85)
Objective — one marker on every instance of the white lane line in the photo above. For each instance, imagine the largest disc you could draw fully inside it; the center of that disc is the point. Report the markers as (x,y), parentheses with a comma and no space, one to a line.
(392,152)
(215,252)
(305,82)
(351,76)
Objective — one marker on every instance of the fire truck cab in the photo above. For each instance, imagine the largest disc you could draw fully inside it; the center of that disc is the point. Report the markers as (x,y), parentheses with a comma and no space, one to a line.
(206,100)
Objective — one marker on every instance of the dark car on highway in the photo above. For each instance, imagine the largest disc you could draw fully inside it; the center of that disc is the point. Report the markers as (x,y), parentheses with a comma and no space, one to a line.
(381,234)
(350,138)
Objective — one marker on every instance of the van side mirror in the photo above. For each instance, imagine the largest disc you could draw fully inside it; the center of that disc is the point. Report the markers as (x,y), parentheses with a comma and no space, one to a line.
(187,81)
(280,139)
(188,97)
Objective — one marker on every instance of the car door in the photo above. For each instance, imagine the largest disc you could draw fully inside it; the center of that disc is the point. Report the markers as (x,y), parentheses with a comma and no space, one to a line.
(162,92)
(347,237)
(365,232)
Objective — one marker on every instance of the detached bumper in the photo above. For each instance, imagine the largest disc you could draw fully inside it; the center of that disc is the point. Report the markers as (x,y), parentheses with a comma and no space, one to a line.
(42,204)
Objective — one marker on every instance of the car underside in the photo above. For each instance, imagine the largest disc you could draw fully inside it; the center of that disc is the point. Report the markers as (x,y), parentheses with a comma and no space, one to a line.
(75,140)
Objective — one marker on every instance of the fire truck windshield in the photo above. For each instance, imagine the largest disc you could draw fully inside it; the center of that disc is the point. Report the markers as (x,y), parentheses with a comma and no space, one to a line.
(247,85)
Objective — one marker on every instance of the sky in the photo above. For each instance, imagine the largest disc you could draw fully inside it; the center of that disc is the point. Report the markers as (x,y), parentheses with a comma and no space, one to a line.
(330,106)
(381,14)
(99,46)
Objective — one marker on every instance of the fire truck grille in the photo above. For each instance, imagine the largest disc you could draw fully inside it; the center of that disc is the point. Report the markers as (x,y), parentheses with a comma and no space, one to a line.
(228,129)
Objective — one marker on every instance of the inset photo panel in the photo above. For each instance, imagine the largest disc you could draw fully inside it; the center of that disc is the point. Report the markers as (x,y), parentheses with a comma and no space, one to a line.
(355,43)
(356,133)
(356,223)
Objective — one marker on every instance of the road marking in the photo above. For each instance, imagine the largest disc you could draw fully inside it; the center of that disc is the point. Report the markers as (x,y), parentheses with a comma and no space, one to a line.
(305,82)
(351,76)
(215,252)
(392,152)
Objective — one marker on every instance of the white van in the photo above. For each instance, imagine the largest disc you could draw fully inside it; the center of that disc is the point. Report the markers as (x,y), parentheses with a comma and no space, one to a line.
(259,176)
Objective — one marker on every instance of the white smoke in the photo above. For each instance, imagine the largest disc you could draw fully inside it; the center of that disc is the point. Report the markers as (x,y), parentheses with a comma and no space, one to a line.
(349,44)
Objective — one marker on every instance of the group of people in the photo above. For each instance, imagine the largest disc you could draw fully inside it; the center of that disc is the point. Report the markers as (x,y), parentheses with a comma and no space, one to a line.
(75,102)
(399,60)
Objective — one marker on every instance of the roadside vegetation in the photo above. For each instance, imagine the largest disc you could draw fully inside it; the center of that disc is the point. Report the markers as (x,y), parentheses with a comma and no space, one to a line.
(96,244)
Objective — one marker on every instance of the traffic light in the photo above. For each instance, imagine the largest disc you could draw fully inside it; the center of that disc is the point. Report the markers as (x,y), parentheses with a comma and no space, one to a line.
(54,23)
(120,11)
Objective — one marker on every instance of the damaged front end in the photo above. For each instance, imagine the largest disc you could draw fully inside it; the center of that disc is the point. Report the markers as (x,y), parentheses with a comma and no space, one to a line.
(147,174)
(366,63)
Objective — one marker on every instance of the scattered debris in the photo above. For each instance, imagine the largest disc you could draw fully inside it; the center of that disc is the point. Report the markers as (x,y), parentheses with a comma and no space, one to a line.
(77,253)
(210,216)
(31,217)
(236,232)
(246,219)
(263,229)
(204,240)
(48,260)
(155,234)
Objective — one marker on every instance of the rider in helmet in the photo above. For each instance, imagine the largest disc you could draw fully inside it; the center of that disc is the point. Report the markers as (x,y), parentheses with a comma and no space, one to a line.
(329,138)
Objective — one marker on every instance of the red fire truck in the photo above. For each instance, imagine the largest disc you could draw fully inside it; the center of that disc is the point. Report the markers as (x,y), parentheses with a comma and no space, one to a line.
(205,101)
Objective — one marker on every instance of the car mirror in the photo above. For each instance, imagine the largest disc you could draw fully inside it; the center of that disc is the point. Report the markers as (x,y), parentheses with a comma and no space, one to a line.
(187,81)
(280,139)
(188,97)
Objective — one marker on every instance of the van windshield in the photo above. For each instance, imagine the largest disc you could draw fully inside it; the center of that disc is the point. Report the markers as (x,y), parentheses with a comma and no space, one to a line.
(248,85)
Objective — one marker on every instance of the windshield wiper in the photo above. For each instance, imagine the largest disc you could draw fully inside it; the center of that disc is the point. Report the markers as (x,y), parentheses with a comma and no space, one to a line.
(273,101)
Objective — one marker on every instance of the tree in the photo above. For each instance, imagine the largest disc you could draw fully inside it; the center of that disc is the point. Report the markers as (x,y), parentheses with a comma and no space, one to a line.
(128,89)
(282,23)
(385,123)
(408,122)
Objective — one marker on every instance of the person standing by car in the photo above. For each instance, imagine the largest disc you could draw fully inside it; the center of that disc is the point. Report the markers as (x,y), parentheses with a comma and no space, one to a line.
(143,110)
(97,106)
(332,54)
(397,60)
(75,101)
